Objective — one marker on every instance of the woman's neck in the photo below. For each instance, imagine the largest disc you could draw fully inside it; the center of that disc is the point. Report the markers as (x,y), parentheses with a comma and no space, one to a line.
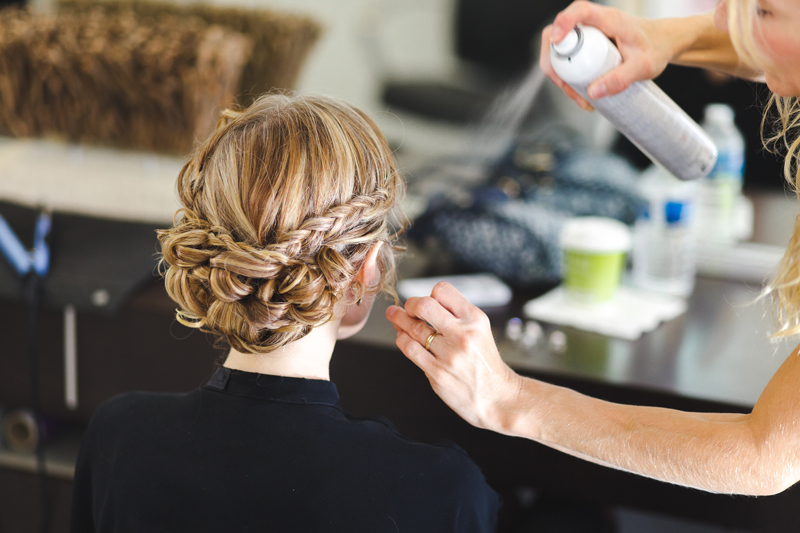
(308,357)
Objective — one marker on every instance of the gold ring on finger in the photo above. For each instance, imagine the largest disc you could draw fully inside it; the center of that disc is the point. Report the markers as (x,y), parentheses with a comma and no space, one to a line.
(430,340)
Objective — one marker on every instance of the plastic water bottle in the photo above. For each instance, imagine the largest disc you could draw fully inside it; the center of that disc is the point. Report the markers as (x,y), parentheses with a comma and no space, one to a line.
(664,252)
(642,112)
(721,190)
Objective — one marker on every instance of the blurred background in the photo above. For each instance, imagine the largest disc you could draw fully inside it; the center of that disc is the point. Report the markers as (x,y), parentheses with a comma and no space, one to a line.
(101,100)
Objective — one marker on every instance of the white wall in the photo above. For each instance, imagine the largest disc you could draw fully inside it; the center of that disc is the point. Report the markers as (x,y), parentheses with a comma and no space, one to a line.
(662,8)
(364,40)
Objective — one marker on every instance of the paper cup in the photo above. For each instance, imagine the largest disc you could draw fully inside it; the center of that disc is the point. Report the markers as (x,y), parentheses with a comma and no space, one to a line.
(593,250)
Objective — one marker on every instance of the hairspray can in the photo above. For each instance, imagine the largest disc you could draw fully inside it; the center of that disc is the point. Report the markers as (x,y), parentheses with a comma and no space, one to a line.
(642,112)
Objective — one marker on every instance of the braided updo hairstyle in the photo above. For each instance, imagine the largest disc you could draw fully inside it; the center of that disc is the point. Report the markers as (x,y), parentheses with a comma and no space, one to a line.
(281,206)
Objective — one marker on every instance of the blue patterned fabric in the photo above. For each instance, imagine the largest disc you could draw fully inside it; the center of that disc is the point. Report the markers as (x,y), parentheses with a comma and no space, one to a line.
(516,238)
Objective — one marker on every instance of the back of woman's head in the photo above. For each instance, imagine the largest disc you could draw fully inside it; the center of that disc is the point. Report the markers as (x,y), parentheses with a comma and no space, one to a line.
(281,206)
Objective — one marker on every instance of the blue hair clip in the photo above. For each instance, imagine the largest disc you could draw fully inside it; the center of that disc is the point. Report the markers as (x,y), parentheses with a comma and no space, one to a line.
(22,260)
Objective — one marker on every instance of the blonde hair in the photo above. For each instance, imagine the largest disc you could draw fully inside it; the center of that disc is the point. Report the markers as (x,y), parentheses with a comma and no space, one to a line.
(281,206)
(785,286)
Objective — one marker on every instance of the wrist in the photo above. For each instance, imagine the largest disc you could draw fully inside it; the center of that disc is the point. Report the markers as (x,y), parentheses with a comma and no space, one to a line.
(678,36)
(513,410)
(697,42)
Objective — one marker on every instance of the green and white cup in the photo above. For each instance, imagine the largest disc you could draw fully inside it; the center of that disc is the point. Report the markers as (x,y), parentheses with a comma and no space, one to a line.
(593,258)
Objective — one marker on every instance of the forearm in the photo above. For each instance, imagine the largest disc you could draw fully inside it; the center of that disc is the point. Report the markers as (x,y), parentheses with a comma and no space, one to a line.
(756,453)
(713,452)
(698,43)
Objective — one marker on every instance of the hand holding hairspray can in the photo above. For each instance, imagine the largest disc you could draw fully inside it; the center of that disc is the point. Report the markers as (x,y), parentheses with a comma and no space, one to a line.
(642,112)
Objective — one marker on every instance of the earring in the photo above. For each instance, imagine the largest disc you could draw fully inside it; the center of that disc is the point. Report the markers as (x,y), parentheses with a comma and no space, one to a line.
(359,301)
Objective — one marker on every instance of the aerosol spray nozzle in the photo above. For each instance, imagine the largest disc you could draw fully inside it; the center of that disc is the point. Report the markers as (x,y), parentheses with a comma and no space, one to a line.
(570,44)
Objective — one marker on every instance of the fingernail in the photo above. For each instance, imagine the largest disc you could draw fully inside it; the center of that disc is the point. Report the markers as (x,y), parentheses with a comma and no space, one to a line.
(391,309)
(556,34)
(598,91)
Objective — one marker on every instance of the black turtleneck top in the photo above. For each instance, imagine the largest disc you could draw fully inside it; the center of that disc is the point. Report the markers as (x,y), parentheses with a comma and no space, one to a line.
(253,452)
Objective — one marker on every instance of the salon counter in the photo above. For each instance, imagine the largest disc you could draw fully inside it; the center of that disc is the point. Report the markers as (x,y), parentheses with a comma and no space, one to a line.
(714,358)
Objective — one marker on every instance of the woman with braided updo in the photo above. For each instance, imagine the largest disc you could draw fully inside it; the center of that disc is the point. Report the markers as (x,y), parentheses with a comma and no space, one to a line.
(284,239)
(267,255)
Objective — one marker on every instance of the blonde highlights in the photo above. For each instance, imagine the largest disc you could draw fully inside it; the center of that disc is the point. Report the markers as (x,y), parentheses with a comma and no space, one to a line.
(281,206)
(743,27)
(785,286)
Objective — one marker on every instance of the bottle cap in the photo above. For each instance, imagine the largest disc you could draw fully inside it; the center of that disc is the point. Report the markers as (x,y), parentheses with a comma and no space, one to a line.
(719,113)
(675,212)
(595,235)
(569,44)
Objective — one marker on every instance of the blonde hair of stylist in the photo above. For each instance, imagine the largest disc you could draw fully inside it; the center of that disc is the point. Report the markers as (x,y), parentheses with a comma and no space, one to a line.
(756,453)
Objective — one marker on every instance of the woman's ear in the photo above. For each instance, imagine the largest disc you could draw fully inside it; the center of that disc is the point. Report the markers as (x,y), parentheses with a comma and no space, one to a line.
(356,314)
(370,274)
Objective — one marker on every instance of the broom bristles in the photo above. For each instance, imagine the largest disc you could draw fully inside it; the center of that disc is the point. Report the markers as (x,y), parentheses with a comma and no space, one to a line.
(141,74)
(281,41)
(106,78)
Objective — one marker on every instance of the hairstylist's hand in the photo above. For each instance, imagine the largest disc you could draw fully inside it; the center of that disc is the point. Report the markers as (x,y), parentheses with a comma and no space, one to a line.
(463,364)
(645,46)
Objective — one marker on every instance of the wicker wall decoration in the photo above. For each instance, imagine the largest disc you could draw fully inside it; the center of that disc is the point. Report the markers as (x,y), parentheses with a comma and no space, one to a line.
(133,74)
(282,41)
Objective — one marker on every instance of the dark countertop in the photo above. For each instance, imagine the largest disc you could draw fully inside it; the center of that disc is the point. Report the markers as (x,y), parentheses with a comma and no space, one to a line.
(718,351)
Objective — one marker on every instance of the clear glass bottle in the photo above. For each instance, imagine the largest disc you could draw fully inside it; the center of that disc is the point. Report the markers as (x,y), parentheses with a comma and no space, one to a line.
(721,190)
(664,248)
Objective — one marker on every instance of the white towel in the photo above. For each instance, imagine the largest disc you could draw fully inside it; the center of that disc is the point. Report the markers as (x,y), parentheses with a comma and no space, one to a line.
(630,313)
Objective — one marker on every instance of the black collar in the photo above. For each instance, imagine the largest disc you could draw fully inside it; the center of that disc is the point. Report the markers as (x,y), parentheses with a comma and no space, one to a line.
(269,387)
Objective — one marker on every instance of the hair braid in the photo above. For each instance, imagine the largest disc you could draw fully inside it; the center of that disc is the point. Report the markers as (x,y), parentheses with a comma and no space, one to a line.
(263,274)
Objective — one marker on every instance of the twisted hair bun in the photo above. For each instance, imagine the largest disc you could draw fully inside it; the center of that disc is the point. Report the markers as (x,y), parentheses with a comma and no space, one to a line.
(281,206)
